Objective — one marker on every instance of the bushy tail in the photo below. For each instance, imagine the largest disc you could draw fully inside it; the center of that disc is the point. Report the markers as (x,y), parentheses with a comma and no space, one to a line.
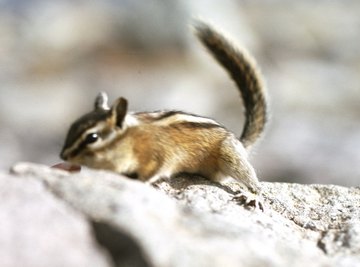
(242,69)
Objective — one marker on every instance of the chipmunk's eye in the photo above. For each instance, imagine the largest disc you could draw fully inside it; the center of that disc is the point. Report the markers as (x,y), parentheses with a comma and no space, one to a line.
(91,138)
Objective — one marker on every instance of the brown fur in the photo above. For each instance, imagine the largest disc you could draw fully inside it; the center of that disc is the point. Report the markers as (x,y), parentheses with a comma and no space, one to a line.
(149,145)
(243,70)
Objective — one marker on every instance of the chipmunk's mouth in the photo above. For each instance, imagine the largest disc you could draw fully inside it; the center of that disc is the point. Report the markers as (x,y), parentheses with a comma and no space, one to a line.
(68,154)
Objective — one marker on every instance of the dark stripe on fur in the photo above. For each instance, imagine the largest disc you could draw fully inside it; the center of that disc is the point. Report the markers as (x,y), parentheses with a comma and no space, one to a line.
(196,125)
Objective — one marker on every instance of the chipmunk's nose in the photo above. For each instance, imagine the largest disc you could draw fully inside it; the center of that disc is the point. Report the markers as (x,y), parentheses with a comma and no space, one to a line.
(64,155)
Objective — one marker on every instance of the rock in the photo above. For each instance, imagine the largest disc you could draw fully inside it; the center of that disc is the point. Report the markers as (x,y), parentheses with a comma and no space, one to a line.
(193,222)
(39,230)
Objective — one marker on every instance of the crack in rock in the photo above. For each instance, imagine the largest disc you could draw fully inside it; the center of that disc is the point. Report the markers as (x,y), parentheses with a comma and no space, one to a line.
(124,250)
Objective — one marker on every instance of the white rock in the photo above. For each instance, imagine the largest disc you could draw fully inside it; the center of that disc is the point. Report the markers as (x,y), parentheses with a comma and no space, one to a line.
(192,222)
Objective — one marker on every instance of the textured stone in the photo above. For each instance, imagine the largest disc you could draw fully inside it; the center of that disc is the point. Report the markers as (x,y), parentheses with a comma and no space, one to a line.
(39,230)
(193,222)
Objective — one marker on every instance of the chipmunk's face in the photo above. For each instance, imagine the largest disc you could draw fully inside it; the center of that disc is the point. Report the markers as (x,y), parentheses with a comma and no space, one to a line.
(89,137)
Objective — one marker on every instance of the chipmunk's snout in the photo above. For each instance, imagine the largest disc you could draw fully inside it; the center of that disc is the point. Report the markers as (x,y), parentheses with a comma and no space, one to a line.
(63,155)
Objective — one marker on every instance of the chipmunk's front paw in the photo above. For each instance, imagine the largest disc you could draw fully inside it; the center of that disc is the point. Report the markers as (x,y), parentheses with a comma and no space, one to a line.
(249,200)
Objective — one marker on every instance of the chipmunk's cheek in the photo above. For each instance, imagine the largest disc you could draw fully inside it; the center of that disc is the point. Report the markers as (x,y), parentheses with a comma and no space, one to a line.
(67,167)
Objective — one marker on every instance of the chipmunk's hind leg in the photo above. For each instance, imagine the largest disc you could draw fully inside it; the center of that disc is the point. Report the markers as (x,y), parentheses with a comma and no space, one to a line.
(233,162)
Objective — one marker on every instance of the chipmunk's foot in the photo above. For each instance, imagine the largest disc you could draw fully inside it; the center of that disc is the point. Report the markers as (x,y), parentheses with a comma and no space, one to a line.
(249,200)
(155,180)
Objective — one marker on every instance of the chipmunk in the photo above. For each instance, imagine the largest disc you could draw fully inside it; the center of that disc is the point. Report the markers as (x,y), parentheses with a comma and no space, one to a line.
(153,145)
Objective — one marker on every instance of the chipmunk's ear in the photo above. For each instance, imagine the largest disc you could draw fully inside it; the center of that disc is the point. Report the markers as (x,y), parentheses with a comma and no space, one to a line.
(118,111)
(101,102)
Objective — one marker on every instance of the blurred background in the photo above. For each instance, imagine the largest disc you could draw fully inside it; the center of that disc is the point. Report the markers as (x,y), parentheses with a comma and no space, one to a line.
(55,56)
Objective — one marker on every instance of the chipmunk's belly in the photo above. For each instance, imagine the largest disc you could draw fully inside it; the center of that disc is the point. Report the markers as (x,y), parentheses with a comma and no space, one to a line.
(203,165)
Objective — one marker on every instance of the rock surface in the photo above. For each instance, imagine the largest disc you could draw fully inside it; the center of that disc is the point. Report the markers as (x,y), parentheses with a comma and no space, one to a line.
(39,230)
(183,222)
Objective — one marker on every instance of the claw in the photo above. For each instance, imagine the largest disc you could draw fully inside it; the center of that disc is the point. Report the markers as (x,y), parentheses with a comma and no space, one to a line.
(154,180)
(249,200)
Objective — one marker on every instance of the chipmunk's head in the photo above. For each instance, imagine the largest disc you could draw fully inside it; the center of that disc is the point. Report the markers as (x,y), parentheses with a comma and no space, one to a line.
(94,131)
